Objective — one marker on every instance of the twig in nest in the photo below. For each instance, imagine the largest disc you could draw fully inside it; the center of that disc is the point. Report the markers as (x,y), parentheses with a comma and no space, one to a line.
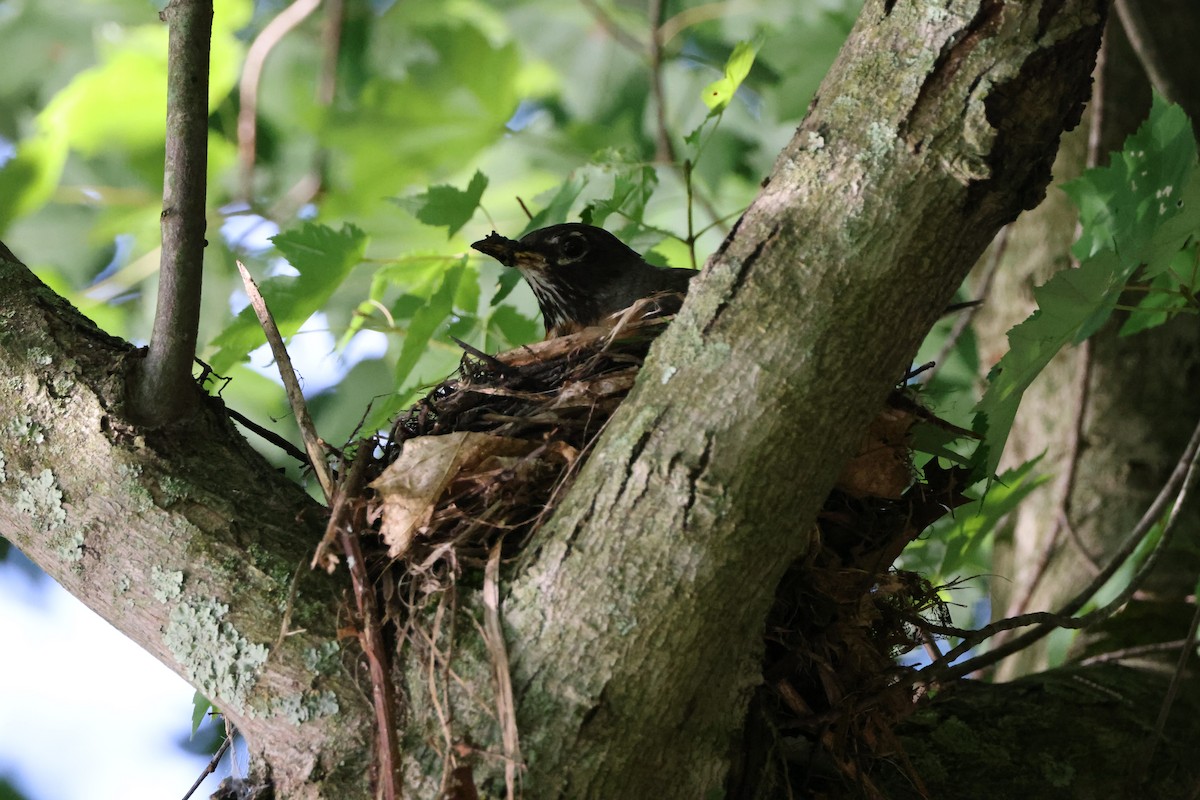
(496,365)
(370,635)
(506,707)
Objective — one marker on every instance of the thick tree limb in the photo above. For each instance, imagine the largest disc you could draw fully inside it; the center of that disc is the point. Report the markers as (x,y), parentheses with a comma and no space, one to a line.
(638,623)
(183,538)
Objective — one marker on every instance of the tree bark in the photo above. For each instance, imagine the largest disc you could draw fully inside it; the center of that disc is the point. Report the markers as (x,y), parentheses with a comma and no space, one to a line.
(183,538)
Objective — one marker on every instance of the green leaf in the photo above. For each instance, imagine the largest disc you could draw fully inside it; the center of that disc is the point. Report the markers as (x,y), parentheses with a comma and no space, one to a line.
(323,257)
(1168,293)
(632,187)
(1123,204)
(426,320)
(559,204)
(936,440)
(446,205)
(1073,303)
(514,327)
(1140,210)
(201,705)
(719,94)
(969,530)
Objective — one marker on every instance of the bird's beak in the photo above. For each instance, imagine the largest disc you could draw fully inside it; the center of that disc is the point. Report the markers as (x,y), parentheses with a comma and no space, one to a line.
(509,252)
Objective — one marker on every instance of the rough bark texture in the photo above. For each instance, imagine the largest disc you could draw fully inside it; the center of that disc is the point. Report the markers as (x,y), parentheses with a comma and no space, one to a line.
(1092,730)
(184,539)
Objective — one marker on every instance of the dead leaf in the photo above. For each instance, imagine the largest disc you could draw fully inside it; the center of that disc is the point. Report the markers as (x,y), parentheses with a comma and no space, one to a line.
(412,485)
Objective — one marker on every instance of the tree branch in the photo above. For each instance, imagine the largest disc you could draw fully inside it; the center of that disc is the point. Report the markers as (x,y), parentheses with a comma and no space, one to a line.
(183,538)
(162,389)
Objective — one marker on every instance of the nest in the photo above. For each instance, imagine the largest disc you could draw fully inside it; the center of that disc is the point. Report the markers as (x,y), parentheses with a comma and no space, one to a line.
(477,465)
(485,454)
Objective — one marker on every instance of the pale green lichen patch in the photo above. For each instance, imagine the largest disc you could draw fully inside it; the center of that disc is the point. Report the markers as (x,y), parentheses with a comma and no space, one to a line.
(62,385)
(881,140)
(322,659)
(69,546)
(41,499)
(173,489)
(3,464)
(38,356)
(216,658)
(123,585)
(299,708)
(165,585)
(24,428)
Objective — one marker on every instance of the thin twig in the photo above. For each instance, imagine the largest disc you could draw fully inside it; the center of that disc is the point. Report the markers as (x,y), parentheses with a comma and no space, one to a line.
(291,384)
(163,390)
(211,767)
(1185,652)
(506,707)
(1176,489)
(1066,483)
(1066,487)
(1133,652)
(256,57)
(664,150)
(270,435)
(370,634)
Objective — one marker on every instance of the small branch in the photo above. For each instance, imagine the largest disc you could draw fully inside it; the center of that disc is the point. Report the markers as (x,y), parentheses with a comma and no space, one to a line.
(270,435)
(1163,34)
(506,707)
(1178,486)
(664,151)
(256,57)
(291,384)
(1066,487)
(162,389)
(331,42)
(1133,652)
(211,768)
(1185,652)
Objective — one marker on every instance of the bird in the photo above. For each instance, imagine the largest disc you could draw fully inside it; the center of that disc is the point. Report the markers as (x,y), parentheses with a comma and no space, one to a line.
(581,274)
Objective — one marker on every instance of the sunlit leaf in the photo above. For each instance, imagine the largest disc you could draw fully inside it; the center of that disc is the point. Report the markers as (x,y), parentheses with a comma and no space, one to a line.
(323,257)
(446,205)
(719,94)
(201,705)
(1139,211)
(426,320)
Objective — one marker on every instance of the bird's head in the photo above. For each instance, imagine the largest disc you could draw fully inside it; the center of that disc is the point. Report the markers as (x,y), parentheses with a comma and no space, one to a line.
(572,269)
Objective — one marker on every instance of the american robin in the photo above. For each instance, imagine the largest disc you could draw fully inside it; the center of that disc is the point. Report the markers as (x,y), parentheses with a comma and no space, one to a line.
(581,274)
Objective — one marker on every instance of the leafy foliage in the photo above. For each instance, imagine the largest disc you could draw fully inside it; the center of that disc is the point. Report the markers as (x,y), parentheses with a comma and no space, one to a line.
(322,257)
(453,107)
(1140,214)
(446,205)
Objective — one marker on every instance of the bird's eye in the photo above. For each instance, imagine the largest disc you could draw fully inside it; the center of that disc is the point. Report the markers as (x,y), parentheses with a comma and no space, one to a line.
(573,247)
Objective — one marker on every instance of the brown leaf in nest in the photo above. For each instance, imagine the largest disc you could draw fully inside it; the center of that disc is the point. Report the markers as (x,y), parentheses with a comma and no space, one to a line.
(882,467)
(412,485)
